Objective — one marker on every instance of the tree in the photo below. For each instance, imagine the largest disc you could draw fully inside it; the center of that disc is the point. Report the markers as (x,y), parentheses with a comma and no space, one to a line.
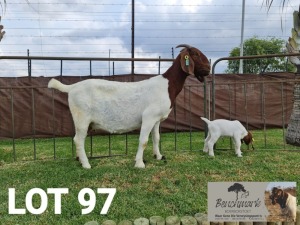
(3,7)
(255,46)
(269,3)
(293,46)
(236,187)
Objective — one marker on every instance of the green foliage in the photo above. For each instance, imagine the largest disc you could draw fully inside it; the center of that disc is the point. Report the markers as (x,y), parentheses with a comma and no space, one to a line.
(255,46)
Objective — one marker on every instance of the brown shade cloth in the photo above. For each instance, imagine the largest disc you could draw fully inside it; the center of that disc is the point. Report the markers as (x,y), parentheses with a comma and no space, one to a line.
(29,108)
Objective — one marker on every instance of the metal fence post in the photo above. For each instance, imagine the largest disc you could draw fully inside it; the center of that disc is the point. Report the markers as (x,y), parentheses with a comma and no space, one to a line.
(29,64)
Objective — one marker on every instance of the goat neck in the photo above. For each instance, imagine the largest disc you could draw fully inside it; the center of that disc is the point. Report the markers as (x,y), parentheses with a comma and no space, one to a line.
(176,78)
(190,61)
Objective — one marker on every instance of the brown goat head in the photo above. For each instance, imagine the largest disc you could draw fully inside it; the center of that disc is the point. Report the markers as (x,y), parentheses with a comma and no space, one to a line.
(194,62)
(278,196)
(248,138)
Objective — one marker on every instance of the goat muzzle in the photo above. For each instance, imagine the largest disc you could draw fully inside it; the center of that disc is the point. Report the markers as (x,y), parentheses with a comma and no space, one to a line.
(202,72)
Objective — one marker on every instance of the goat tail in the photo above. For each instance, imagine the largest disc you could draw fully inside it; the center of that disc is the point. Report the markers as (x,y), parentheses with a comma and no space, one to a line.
(59,86)
(205,120)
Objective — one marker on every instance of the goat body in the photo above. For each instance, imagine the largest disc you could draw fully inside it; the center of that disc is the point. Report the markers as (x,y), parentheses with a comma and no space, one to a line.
(116,107)
(119,107)
(225,128)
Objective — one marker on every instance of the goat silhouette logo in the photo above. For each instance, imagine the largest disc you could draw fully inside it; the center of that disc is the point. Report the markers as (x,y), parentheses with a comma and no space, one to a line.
(239,188)
(233,201)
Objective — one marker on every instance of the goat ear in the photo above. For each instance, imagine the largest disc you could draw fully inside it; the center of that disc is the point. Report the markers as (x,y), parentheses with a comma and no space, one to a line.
(187,63)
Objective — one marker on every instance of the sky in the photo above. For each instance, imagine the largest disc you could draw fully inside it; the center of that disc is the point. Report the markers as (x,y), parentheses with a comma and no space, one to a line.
(282,185)
(87,28)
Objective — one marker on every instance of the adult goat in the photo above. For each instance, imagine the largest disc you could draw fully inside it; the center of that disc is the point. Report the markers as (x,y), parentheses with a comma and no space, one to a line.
(119,107)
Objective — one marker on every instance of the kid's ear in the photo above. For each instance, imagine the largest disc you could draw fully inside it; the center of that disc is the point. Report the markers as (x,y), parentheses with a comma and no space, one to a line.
(187,63)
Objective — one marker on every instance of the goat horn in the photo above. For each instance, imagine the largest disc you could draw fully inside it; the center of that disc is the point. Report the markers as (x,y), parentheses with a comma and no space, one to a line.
(184,45)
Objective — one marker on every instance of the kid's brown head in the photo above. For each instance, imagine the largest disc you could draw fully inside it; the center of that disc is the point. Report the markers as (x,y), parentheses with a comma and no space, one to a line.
(248,139)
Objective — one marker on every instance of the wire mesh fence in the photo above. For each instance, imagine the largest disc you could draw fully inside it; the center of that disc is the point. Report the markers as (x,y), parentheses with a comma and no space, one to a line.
(36,124)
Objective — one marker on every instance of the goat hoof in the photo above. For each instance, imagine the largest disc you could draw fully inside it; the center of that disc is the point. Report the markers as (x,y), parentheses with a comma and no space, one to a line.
(162,158)
(140,165)
(86,166)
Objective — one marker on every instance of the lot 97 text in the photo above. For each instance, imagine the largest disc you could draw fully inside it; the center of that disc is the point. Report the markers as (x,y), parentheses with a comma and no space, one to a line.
(85,193)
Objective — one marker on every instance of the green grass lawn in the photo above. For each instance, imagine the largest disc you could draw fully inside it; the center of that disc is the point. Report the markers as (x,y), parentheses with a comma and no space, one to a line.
(178,187)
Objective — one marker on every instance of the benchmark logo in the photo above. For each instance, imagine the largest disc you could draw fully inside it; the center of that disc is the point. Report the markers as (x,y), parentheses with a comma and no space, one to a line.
(243,201)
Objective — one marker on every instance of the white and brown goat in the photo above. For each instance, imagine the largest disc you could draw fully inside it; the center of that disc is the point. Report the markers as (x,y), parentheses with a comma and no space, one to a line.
(119,107)
(286,201)
(226,128)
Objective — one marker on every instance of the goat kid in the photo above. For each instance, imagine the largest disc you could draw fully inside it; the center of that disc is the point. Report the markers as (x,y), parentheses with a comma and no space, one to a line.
(221,127)
(286,201)
(119,107)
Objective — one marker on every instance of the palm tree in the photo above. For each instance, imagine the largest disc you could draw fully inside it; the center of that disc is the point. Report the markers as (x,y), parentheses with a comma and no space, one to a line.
(3,6)
(270,2)
(293,46)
